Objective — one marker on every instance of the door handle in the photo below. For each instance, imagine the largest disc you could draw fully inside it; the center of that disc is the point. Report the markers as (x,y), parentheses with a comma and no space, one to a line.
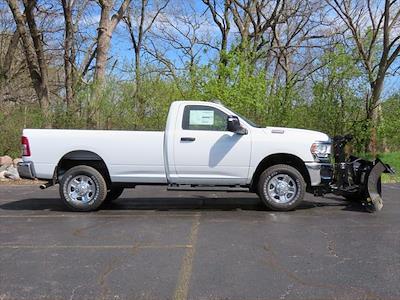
(187,139)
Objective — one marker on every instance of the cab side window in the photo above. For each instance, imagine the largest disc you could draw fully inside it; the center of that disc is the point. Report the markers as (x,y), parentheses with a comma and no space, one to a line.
(202,117)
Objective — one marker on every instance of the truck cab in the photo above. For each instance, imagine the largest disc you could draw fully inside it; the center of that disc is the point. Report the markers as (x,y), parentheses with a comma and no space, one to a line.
(208,143)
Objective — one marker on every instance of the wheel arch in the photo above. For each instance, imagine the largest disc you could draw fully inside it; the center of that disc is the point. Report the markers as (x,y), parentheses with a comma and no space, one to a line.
(276,159)
(82,157)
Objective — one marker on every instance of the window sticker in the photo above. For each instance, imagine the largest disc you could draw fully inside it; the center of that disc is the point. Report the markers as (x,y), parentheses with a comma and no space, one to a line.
(201,117)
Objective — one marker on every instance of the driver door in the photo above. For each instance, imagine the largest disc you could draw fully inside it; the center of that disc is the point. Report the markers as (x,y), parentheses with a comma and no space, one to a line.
(205,152)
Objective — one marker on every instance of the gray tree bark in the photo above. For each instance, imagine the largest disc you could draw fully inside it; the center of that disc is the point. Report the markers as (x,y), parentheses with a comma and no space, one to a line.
(69,53)
(33,49)
(105,30)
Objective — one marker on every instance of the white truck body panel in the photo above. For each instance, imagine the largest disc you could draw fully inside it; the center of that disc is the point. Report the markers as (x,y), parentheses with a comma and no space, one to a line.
(131,156)
(213,157)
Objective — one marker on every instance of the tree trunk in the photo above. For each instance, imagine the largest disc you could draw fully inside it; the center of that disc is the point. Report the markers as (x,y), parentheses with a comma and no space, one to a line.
(373,137)
(105,31)
(8,59)
(224,45)
(33,50)
(372,115)
(223,58)
(68,53)
(38,44)
(384,146)
(138,93)
(103,43)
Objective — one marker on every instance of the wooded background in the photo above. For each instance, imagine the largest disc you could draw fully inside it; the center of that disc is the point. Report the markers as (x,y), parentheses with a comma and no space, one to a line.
(328,65)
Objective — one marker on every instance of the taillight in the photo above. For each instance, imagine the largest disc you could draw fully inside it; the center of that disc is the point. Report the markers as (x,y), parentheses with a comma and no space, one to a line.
(26,151)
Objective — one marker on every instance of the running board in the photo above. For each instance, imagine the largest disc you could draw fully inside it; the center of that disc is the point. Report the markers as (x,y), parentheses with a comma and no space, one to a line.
(210,188)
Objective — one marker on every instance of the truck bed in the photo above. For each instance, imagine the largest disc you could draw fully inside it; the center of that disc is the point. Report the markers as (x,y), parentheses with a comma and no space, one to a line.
(131,156)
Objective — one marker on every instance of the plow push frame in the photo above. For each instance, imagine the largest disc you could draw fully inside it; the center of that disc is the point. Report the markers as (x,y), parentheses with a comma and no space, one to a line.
(356,179)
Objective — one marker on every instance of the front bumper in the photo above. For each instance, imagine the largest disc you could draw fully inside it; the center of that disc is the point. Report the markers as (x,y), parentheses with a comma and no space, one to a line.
(320,173)
(26,170)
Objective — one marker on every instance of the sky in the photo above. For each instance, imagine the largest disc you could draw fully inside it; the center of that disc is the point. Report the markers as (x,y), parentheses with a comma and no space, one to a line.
(192,9)
(121,46)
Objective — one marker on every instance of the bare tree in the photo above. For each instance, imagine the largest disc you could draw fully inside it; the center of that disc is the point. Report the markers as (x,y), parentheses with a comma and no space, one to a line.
(187,34)
(15,83)
(167,66)
(254,17)
(106,28)
(137,33)
(373,28)
(222,20)
(73,12)
(69,51)
(292,41)
(32,42)
(9,57)
(84,43)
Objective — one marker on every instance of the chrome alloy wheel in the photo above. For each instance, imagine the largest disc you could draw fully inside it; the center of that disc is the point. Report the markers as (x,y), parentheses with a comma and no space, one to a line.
(81,189)
(282,188)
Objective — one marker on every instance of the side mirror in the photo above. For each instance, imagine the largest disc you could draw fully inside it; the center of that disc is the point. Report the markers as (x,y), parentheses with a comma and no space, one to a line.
(233,125)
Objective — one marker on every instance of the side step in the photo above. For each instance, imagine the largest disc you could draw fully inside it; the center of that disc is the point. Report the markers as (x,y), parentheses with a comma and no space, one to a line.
(210,188)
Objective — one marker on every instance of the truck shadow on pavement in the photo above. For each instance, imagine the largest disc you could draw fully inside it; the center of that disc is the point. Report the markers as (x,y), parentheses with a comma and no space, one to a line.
(195,203)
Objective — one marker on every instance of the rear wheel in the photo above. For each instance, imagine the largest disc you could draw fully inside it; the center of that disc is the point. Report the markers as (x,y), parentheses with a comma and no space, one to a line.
(281,187)
(83,188)
(113,194)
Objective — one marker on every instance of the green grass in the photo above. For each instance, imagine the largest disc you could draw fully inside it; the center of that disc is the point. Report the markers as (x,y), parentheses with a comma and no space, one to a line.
(393,159)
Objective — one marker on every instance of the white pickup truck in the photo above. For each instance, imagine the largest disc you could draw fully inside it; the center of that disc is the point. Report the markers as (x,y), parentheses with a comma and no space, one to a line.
(204,145)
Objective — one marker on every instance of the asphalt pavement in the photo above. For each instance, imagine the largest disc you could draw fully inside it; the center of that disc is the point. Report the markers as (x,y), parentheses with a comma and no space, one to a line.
(154,244)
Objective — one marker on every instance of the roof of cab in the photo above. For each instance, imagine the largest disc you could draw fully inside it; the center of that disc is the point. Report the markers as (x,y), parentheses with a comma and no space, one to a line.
(197,102)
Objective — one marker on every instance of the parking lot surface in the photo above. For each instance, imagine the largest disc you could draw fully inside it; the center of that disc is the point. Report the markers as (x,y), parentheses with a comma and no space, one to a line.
(154,244)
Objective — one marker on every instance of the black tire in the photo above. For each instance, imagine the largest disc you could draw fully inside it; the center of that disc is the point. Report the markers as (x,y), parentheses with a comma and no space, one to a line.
(93,184)
(113,194)
(290,181)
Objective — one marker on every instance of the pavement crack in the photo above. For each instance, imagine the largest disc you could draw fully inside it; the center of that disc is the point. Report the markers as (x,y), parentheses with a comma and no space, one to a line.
(79,232)
(102,278)
(330,244)
(289,289)
(273,261)
(73,291)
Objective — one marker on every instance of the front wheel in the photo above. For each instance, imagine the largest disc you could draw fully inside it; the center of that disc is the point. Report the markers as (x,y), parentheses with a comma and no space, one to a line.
(281,187)
(83,188)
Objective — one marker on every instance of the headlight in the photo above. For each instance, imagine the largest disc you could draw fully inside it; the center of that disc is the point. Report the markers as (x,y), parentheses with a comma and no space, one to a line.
(321,151)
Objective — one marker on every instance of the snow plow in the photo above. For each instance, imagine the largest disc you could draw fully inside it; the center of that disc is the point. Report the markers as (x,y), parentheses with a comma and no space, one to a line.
(355,178)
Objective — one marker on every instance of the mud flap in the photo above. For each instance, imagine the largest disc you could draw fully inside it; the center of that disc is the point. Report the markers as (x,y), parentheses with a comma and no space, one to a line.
(374,200)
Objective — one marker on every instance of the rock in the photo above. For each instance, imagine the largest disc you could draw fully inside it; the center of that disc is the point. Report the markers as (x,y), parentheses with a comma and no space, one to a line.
(2,174)
(6,161)
(16,161)
(12,173)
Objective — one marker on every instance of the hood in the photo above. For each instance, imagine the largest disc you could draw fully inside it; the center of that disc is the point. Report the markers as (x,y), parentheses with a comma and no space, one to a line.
(298,133)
